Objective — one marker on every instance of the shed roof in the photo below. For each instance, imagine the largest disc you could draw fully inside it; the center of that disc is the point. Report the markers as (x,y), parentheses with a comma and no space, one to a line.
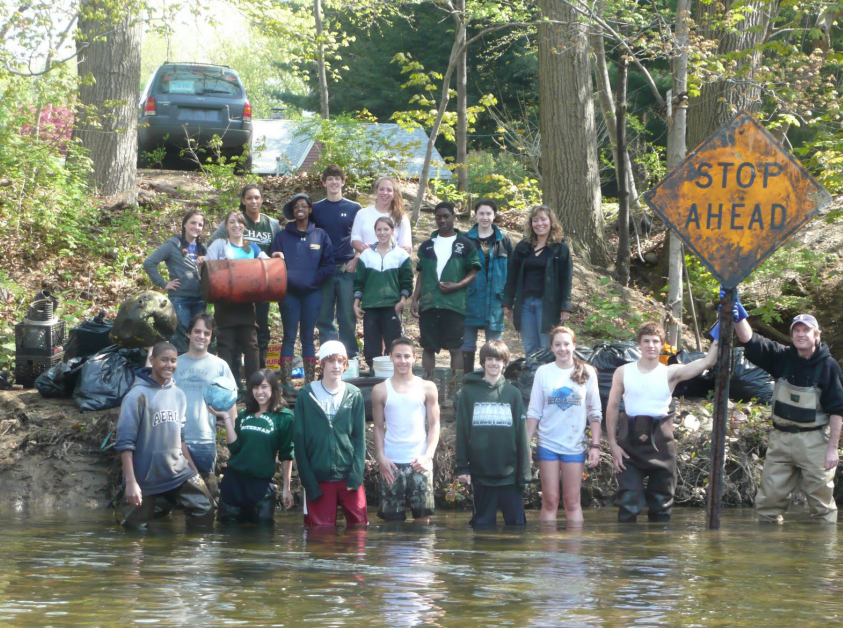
(285,152)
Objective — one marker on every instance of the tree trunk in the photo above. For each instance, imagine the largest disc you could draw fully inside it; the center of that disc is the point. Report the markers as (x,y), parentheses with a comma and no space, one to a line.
(720,100)
(621,176)
(570,173)
(320,60)
(607,108)
(676,149)
(462,123)
(459,44)
(107,116)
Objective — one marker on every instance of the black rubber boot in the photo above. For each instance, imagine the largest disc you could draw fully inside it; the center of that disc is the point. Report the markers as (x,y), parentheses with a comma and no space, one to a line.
(226,513)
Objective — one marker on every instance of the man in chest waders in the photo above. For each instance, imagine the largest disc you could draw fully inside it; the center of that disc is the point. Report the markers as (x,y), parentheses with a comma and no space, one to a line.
(807,413)
(641,442)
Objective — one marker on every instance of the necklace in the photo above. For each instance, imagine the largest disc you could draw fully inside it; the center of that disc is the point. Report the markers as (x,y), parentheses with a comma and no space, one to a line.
(328,392)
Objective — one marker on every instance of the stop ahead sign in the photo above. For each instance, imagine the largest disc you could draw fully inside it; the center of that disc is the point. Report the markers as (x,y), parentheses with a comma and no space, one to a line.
(737,198)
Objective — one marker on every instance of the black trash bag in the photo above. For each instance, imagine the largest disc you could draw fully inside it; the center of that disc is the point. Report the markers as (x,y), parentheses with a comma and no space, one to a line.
(60,380)
(365,384)
(607,357)
(107,377)
(88,338)
(701,385)
(531,364)
(144,319)
(748,381)
(513,369)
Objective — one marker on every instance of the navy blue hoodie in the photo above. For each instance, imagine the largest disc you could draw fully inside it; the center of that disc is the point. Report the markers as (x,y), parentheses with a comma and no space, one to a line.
(309,257)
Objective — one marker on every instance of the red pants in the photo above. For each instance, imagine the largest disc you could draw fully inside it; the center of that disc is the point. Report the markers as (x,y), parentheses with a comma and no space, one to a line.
(323,511)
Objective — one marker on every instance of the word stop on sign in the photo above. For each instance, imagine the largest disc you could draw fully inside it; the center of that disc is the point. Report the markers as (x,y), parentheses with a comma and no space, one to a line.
(737,198)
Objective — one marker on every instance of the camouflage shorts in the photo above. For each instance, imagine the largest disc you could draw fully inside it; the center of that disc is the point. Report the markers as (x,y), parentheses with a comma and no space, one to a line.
(410,488)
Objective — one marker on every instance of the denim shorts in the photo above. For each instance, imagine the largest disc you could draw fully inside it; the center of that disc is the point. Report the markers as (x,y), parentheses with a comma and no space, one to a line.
(545,455)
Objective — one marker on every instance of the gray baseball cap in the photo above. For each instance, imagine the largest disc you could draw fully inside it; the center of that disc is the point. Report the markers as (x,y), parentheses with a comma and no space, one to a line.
(805,319)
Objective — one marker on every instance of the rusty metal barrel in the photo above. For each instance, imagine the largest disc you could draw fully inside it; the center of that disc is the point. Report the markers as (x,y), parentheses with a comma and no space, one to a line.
(244,280)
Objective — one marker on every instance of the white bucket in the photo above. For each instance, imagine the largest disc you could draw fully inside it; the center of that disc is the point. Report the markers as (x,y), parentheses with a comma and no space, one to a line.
(383,366)
(353,370)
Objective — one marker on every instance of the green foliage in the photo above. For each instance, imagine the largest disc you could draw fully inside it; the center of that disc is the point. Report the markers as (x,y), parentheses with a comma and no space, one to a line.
(610,317)
(426,101)
(502,176)
(156,156)
(353,143)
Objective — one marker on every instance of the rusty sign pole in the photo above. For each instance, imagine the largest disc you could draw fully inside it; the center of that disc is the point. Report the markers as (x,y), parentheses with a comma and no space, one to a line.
(721,409)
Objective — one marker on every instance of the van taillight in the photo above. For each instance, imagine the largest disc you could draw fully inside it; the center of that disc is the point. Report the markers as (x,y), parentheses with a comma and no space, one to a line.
(149,107)
(247,112)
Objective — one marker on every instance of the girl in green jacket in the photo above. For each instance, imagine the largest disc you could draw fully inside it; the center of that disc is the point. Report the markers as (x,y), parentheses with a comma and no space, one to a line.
(382,285)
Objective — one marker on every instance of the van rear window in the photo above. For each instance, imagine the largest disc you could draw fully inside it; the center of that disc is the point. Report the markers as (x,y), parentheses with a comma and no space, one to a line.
(200,81)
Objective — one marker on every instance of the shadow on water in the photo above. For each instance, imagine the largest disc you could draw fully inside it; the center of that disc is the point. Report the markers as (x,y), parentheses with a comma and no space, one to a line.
(82,570)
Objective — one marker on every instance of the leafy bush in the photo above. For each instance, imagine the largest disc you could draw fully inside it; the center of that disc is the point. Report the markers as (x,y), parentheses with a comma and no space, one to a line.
(501,176)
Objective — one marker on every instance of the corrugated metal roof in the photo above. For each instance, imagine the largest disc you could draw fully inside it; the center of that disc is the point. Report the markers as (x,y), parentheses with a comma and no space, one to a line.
(284,153)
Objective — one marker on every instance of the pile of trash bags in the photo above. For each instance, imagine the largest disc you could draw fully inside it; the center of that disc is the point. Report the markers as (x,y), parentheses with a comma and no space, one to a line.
(98,374)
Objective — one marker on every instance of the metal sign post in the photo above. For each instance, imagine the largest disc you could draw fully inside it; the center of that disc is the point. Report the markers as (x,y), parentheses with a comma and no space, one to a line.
(733,201)
(721,410)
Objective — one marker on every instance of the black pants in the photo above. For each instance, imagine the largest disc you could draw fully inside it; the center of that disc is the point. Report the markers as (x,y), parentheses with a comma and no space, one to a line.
(487,500)
(231,342)
(652,457)
(193,496)
(381,325)
(244,499)
(264,333)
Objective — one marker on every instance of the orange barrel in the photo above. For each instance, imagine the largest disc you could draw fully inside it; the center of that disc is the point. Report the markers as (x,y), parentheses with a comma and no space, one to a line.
(244,280)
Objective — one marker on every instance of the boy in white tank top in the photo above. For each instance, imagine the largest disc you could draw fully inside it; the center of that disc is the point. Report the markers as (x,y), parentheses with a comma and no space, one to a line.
(642,442)
(404,452)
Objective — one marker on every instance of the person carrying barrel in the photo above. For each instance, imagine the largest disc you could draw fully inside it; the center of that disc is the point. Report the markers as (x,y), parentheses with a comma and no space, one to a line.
(484,309)
(236,322)
(182,256)
(382,285)
(537,296)
(807,414)
(641,437)
(309,256)
(260,229)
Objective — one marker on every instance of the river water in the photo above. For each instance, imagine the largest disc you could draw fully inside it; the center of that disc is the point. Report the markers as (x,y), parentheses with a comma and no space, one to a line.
(81,570)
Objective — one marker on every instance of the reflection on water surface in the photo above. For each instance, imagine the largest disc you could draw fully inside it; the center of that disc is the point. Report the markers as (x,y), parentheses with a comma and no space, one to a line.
(83,570)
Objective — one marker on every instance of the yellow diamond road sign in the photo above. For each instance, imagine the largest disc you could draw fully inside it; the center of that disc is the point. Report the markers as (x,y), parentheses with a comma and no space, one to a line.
(737,198)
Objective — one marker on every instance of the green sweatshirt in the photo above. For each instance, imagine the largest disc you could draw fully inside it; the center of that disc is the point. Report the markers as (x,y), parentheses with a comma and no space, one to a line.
(492,443)
(327,451)
(259,439)
(382,280)
(463,259)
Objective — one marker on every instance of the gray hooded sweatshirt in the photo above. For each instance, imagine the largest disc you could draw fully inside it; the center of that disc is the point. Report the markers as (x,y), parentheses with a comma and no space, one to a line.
(179,267)
(151,424)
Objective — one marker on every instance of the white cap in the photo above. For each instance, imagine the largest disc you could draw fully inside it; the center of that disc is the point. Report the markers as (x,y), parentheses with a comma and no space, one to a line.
(332,347)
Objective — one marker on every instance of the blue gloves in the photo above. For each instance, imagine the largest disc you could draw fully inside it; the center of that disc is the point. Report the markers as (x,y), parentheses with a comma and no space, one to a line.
(715,331)
(738,310)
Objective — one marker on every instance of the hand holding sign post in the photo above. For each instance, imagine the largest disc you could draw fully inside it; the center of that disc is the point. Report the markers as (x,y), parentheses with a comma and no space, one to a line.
(733,201)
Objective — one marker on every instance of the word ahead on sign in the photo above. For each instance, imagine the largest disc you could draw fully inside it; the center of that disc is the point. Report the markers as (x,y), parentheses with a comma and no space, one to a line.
(737,198)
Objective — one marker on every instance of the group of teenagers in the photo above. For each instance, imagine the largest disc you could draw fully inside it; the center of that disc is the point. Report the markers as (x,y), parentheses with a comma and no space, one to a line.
(465,282)
(345,262)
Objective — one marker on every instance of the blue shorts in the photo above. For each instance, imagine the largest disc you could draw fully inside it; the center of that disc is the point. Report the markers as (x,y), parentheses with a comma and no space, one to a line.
(545,455)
